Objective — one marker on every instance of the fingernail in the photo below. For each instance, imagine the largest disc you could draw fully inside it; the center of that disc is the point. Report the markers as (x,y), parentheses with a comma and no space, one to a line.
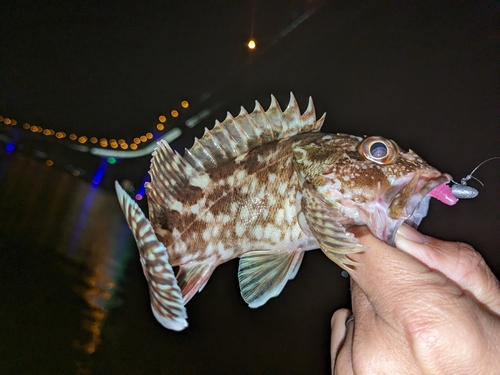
(411,234)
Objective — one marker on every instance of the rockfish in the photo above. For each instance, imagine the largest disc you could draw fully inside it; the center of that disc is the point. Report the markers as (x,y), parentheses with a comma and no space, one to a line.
(266,187)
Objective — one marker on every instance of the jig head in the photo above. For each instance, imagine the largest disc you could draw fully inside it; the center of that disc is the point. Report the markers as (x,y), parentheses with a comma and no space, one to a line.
(462,190)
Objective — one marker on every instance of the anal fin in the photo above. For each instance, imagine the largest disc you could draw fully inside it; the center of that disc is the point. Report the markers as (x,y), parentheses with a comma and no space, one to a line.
(262,274)
(192,277)
(166,298)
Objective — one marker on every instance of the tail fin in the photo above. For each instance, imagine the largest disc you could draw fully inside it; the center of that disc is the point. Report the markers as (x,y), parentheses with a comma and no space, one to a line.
(166,297)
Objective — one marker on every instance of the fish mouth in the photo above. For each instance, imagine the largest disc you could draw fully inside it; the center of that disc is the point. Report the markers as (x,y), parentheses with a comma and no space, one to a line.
(417,203)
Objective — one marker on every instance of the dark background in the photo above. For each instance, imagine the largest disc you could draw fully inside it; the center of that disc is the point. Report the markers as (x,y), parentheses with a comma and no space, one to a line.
(72,295)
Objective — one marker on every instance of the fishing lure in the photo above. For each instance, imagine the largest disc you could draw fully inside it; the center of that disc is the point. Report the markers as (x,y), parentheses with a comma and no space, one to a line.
(462,190)
(451,194)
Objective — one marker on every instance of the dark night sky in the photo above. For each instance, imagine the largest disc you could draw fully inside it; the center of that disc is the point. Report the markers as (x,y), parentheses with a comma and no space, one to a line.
(108,68)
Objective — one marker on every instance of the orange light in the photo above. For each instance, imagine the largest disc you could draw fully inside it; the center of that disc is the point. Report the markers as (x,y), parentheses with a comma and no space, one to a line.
(26,126)
(162,118)
(174,113)
(46,132)
(7,121)
(1,118)
(184,104)
(82,139)
(160,127)
(34,128)
(39,129)
(60,135)
(121,141)
(114,145)
(93,140)
(137,140)
(133,146)
(49,163)
(13,122)
(72,137)
(143,138)
(103,143)
(251,44)
(124,146)
(112,140)
(149,135)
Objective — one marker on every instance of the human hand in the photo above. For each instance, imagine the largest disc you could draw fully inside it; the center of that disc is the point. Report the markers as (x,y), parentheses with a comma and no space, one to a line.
(432,308)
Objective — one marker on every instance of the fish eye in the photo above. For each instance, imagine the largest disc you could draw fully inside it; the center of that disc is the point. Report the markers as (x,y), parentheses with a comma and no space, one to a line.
(379,150)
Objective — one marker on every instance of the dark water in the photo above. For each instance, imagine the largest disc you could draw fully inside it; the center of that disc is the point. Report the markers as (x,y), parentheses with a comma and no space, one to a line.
(64,250)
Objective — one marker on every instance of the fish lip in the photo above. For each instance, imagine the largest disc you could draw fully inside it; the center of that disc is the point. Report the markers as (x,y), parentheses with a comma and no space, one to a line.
(418,204)
(434,183)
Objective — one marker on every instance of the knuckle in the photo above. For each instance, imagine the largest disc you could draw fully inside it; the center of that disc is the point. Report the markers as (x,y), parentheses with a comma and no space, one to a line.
(469,258)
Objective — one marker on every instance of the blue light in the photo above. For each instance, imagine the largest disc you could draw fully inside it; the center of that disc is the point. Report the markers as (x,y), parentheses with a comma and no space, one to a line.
(10,148)
(96,180)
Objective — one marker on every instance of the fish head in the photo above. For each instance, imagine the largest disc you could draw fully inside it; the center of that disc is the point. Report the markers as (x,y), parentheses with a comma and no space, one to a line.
(368,181)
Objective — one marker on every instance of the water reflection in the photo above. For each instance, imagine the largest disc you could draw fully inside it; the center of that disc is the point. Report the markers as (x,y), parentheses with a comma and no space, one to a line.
(66,232)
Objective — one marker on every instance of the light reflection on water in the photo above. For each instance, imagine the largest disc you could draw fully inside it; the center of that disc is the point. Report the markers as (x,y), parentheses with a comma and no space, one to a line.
(71,231)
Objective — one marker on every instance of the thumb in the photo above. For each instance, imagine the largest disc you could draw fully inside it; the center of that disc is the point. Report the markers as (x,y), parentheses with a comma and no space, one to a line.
(457,261)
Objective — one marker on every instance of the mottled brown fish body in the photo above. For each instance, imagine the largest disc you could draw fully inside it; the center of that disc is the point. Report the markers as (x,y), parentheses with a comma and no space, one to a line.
(246,204)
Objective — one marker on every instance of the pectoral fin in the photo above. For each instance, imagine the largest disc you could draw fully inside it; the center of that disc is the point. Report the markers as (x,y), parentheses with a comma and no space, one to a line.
(332,237)
(166,298)
(263,274)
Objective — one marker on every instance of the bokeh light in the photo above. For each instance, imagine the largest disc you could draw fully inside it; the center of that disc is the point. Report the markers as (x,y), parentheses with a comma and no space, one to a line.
(251,44)
(102,142)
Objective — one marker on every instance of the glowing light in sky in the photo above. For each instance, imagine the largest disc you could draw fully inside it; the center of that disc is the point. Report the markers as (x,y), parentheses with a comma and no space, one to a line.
(251,44)
(174,113)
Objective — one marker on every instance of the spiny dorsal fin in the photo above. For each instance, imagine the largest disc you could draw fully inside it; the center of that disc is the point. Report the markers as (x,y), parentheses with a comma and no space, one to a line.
(235,136)
(170,172)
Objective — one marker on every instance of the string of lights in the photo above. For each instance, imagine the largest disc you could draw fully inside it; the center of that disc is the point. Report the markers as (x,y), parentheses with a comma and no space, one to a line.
(113,143)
